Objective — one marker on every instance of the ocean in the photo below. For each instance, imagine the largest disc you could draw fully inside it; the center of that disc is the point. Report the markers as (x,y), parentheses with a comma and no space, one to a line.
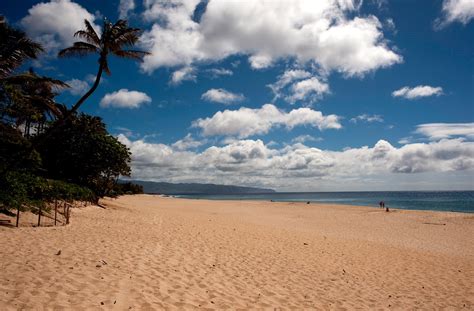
(454,201)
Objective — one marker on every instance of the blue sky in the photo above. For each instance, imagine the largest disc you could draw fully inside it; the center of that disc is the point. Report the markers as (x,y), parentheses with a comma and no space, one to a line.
(292,95)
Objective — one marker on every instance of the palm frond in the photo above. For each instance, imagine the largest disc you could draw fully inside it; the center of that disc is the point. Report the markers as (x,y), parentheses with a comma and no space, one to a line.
(86,36)
(105,65)
(133,54)
(78,49)
(91,30)
(29,77)
(120,24)
(126,37)
(15,48)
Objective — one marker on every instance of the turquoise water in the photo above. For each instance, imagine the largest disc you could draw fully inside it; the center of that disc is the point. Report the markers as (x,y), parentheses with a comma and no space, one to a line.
(455,201)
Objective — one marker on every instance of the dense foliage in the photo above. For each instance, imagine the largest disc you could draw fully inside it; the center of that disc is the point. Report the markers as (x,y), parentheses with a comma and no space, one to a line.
(126,188)
(84,153)
(47,152)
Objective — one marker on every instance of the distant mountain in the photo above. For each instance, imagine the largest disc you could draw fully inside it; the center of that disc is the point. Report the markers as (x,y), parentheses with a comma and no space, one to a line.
(193,188)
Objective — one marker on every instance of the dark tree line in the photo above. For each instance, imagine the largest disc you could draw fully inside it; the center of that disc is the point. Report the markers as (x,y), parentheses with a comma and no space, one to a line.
(49,153)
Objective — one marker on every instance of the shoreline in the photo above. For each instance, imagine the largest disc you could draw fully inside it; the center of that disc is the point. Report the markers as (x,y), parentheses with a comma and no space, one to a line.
(151,252)
(312,203)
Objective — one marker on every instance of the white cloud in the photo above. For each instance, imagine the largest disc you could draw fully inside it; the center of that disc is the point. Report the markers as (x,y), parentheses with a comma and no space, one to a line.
(304,138)
(77,87)
(380,3)
(91,78)
(125,7)
(298,85)
(367,118)
(235,63)
(323,32)
(286,78)
(436,131)
(124,98)
(188,142)
(456,11)
(418,91)
(390,24)
(307,91)
(246,122)
(301,168)
(183,74)
(405,140)
(217,72)
(222,96)
(125,131)
(54,23)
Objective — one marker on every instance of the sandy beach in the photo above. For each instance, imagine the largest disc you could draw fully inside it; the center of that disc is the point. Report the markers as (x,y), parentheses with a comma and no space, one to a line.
(147,252)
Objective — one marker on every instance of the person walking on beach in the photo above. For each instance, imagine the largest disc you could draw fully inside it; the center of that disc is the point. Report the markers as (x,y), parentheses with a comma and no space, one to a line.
(382,205)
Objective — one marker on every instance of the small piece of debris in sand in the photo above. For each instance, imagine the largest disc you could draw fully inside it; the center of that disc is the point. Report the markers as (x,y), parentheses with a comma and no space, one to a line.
(58,253)
(102,303)
(98,266)
(305,243)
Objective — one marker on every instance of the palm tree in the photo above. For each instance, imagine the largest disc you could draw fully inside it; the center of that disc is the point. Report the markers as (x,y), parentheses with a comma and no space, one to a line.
(113,39)
(33,99)
(15,48)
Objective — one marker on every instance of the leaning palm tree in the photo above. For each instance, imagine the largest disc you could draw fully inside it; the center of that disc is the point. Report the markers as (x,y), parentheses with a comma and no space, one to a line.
(113,39)
(15,48)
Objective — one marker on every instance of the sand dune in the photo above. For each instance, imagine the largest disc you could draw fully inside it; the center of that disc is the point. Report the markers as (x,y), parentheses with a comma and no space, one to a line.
(146,252)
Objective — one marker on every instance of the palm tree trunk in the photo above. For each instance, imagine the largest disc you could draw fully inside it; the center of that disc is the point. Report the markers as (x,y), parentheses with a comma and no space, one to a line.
(92,89)
(74,108)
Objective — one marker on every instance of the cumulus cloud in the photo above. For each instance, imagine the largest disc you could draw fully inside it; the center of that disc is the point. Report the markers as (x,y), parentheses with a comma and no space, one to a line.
(124,98)
(125,7)
(286,78)
(298,167)
(77,87)
(246,122)
(418,91)
(222,96)
(183,74)
(299,86)
(436,131)
(307,91)
(456,11)
(327,33)
(188,142)
(367,118)
(54,23)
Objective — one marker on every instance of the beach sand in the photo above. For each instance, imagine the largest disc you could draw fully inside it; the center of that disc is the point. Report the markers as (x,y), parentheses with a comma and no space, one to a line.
(147,252)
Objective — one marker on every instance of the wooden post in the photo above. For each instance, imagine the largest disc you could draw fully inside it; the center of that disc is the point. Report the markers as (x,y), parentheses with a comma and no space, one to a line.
(17,216)
(55,211)
(67,215)
(39,216)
